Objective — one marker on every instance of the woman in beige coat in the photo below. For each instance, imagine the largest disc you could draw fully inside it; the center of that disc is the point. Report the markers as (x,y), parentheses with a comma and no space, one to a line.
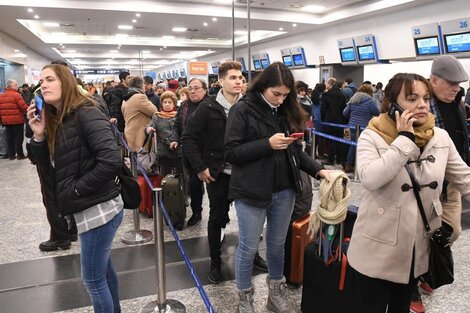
(137,111)
(389,246)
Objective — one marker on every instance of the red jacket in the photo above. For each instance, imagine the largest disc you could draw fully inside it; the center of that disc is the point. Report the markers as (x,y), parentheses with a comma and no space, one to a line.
(12,108)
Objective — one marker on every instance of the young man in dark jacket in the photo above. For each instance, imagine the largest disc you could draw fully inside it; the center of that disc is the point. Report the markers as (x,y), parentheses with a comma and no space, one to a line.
(203,145)
(150,93)
(114,100)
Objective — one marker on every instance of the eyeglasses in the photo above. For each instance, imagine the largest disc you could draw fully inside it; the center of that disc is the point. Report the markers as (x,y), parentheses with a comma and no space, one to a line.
(195,89)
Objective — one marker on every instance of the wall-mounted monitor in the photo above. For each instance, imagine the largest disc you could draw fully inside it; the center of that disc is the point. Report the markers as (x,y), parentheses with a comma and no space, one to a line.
(215,70)
(182,72)
(347,54)
(257,64)
(298,60)
(264,63)
(287,60)
(427,46)
(365,53)
(457,43)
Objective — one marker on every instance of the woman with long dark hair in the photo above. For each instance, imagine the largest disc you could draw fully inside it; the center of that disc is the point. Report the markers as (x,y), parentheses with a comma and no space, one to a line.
(265,162)
(74,142)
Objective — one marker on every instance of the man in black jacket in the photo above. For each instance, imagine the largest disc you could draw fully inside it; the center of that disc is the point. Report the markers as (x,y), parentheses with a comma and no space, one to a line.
(114,100)
(150,93)
(203,145)
(332,106)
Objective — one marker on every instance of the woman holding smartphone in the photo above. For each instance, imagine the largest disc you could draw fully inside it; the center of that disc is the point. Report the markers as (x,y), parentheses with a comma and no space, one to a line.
(265,177)
(389,246)
(74,142)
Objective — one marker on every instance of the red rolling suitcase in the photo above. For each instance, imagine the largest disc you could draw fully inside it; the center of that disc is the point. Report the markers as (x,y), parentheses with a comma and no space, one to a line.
(300,240)
(146,194)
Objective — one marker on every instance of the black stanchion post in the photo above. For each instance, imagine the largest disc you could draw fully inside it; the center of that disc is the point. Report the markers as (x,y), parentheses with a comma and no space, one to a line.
(313,139)
(137,235)
(162,305)
(358,133)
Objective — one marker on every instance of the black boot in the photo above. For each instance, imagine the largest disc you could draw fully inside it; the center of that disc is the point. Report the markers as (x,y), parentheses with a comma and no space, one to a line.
(215,273)
(53,245)
(260,263)
(194,219)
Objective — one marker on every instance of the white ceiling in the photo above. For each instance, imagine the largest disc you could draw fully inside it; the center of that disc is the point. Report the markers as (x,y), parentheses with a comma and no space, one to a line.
(88,34)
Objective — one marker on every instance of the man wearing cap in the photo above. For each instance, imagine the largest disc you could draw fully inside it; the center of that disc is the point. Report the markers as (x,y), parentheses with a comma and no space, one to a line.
(446,75)
(150,93)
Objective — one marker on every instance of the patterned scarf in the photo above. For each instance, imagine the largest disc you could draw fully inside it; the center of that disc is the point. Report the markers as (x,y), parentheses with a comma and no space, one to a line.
(166,114)
(386,127)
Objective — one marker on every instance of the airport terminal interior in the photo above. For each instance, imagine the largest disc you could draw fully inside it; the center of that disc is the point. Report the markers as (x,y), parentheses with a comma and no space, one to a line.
(366,40)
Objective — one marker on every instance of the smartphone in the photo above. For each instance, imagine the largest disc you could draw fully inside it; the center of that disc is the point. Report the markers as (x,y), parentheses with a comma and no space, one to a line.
(394,108)
(296,135)
(39,102)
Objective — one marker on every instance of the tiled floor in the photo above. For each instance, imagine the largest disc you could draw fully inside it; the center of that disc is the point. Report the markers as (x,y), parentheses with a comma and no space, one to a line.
(34,281)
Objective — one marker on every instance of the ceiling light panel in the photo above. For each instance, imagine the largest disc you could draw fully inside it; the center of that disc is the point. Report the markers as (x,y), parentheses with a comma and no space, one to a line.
(126,27)
(179,29)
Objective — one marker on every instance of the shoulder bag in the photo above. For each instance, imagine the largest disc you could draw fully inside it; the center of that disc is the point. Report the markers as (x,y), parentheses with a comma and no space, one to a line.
(441,262)
(148,159)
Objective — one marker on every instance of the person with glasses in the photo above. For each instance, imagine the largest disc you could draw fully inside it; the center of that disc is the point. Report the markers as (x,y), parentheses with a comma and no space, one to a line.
(197,88)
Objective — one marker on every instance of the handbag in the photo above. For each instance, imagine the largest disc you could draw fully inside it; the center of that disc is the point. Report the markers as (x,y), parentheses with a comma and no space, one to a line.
(441,262)
(129,188)
(147,159)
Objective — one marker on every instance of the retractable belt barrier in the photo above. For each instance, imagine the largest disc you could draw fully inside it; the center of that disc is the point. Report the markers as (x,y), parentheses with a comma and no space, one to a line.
(163,304)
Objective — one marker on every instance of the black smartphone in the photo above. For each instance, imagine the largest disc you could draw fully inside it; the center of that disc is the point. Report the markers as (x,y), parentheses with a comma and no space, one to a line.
(39,102)
(394,108)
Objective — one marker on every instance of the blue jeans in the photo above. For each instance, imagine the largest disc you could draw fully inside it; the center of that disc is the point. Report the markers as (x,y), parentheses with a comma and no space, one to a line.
(250,224)
(98,273)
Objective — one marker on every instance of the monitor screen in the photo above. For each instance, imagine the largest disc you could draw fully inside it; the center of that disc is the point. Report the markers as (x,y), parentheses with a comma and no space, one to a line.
(347,54)
(264,63)
(257,64)
(215,70)
(366,53)
(457,43)
(182,72)
(427,46)
(298,60)
(287,60)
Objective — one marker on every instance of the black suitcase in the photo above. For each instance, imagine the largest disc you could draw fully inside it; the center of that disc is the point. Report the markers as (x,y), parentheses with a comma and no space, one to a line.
(329,287)
(174,196)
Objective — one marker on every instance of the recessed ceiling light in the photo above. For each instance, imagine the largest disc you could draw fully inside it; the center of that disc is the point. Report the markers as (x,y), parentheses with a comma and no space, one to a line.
(161,49)
(30,10)
(314,8)
(214,19)
(134,21)
(113,51)
(209,50)
(164,47)
(137,14)
(205,24)
(36,16)
(16,50)
(50,24)
(125,27)
(146,51)
(179,29)
(281,29)
(294,25)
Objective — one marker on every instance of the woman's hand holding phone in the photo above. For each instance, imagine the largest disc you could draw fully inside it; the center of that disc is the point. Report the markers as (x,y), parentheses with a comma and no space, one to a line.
(405,121)
(279,141)
(37,125)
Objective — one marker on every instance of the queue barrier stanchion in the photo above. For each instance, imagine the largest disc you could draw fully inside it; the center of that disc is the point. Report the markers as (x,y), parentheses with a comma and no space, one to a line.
(137,235)
(358,133)
(162,304)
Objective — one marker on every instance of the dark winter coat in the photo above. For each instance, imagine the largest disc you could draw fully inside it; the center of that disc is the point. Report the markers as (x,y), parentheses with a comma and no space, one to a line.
(154,98)
(114,99)
(86,162)
(332,106)
(360,109)
(250,125)
(167,132)
(203,138)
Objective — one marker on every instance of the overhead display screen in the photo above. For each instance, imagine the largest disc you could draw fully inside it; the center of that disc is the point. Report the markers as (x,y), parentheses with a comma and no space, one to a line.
(366,53)
(347,54)
(427,46)
(457,43)
(257,64)
(287,60)
(298,60)
(264,63)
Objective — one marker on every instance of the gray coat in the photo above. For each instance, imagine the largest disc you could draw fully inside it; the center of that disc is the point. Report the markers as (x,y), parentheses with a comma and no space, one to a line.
(389,225)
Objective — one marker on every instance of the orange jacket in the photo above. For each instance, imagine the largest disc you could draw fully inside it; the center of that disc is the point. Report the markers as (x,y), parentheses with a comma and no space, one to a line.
(12,108)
